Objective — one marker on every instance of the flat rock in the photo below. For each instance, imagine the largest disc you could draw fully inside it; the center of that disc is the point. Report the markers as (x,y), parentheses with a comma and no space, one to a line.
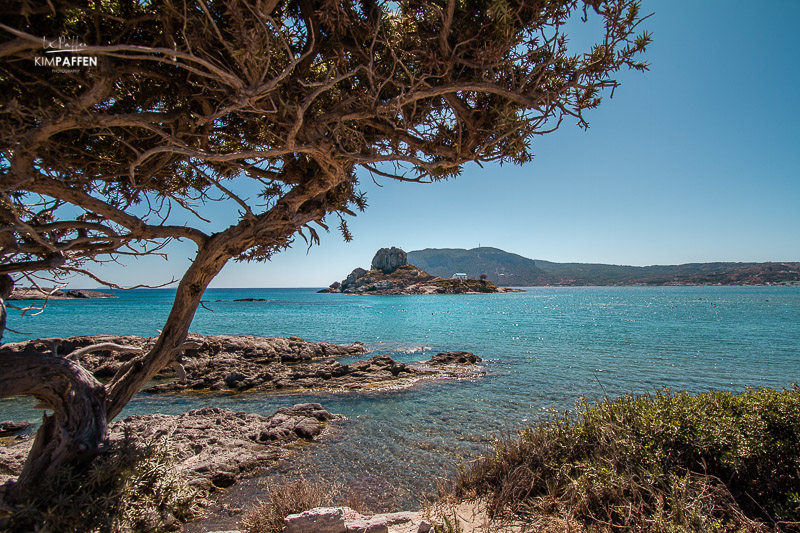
(9,427)
(218,357)
(346,520)
(214,446)
(329,375)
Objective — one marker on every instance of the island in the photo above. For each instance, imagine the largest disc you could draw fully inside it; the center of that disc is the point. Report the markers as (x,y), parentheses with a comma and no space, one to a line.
(391,273)
(34,293)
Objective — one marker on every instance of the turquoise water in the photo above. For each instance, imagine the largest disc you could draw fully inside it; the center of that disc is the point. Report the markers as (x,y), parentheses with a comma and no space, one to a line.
(544,349)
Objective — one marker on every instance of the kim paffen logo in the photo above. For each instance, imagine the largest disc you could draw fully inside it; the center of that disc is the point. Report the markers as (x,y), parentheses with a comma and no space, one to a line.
(64,55)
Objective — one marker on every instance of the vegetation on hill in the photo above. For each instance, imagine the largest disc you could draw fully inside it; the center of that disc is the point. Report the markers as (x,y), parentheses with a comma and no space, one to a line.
(507,269)
(666,462)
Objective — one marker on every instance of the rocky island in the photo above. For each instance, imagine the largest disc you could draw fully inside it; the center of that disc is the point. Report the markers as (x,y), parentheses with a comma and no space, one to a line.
(33,293)
(391,273)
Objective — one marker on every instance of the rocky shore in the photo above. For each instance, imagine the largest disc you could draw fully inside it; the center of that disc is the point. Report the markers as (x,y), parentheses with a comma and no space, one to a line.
(227,363)
(33,293)
(391,273)
(210,354)
(214,447)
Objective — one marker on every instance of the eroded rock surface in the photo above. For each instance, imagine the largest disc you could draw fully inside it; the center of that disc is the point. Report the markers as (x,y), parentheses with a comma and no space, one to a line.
(230,373)
(346,520)
(454,358)
(387,260)
(214,446)
(218,355)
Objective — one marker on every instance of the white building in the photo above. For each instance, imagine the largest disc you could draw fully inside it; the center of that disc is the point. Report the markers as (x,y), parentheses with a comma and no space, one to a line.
(459,275)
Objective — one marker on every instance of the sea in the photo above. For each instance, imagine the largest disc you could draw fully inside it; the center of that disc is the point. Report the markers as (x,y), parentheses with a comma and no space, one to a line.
(543,349)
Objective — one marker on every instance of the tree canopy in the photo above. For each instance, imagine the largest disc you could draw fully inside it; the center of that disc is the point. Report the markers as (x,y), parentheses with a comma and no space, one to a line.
(187,98)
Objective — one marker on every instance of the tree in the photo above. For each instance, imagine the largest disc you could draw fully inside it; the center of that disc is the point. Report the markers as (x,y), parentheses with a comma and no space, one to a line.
(191,98)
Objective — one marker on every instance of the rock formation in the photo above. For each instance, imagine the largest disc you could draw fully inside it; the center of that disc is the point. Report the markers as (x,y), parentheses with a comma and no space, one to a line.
(392,274)
(221,352)
(9,427)
(231,372)
(387,260)
(236,364)
(214,446)
(33,293)
(346,520)
(454,358)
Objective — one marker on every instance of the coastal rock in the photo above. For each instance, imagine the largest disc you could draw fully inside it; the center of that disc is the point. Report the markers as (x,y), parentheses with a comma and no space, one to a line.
(32,293)
(79,293)
(353,277)
(387,260)
(217,446)
(223,357)
(392,274)
(454,358)
(319,520)
(9,427)
(378,371)
(345,520)
(214,447)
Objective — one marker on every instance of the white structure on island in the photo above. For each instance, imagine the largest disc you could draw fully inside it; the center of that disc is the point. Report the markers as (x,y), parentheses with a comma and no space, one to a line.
(459,275)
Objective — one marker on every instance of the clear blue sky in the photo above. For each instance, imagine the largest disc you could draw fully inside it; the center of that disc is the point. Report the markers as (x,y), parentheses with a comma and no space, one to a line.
(697,160)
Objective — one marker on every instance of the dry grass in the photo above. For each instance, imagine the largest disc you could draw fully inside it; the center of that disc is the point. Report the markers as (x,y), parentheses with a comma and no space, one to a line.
(290,497)
(669,462)
(131,487)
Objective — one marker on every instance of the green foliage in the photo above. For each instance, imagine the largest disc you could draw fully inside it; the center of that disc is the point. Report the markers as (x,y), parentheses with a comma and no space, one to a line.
(666,462)
(131,487)
(188,96)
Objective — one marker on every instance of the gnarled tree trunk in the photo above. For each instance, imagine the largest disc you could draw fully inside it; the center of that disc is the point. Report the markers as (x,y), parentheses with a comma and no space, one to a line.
(74,433)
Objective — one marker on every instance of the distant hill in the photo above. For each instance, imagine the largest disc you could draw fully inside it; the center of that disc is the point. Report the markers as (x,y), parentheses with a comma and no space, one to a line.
(507,269)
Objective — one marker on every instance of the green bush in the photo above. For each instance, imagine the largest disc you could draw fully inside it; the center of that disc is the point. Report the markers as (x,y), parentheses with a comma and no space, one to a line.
(666,462)
(131,487)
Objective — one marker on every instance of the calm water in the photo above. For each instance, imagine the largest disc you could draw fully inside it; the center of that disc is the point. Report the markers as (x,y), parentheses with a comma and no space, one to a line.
(543,349)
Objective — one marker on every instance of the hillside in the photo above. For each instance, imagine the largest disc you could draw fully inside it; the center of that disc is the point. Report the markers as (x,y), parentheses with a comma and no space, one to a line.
(507,269)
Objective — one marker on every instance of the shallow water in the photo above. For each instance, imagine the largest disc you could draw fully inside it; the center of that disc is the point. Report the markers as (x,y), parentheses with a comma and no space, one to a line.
(543,350)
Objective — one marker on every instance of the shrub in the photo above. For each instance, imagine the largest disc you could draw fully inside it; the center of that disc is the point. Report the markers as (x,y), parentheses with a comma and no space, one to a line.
(133,486)
(290,497)
(666,462)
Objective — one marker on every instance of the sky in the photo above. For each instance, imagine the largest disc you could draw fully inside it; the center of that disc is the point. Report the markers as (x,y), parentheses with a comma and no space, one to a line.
(697,160)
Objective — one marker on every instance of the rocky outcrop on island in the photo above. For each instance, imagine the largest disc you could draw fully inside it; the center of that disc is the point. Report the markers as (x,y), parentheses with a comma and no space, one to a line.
(387,260)
(33,293)
(391,273)
(214,447)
